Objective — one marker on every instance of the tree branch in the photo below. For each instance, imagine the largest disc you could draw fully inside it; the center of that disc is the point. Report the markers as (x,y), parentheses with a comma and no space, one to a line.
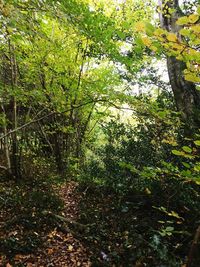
(49,115)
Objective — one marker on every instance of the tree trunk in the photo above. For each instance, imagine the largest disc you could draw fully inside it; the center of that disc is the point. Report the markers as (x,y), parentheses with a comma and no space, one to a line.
(15,162)
(58,155)
(187,98)
(6,146)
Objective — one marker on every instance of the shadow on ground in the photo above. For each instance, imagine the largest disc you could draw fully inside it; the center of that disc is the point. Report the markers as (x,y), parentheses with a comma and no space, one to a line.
(71,224)
(133,230)
(23,225)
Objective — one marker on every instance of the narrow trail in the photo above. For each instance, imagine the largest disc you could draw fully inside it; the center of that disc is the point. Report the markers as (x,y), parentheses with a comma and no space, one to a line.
(63,249)
(95,227)
(59,248)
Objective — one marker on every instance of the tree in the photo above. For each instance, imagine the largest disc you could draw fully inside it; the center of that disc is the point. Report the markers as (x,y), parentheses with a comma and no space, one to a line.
(52,83)
(185,93)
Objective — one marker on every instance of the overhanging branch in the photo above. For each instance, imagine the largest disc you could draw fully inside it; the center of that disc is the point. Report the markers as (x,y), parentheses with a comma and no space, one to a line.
(49,115)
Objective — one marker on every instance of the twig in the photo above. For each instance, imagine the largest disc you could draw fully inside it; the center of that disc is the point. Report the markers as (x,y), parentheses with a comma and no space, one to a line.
(3,168)
(78,225)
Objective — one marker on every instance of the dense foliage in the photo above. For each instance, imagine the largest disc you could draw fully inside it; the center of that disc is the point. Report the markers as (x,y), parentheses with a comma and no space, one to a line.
(99,133)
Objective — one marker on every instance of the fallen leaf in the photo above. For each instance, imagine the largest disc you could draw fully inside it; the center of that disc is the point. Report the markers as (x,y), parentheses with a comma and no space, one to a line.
(70,247)
(18,257)
(50,251)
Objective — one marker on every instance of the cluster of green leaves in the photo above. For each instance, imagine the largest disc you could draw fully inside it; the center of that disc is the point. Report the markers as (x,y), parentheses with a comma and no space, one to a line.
(60,66)
(126,149)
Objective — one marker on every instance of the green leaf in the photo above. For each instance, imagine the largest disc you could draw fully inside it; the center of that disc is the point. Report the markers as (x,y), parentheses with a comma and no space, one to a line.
(186,173)
(187,149)
(197,167)
(185,164)
(149,28)
(177,153)
(169,228)
(197,142)
(198,10)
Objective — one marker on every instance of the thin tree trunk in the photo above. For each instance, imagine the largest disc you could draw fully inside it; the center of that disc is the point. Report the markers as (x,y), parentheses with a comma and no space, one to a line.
(15,163)
(6,146)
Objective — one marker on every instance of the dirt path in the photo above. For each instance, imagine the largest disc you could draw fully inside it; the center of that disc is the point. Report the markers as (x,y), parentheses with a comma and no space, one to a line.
(59,249)
(107,229)
(63,249)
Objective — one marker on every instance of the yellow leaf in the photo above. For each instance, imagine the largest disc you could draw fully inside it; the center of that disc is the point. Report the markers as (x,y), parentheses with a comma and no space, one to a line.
(193,52)
(146,41)
(192,78)
(182,21)
(159,32)
(193,18)
(179,57)
(195,28)
(140,26)
(170,142)
(185,32)
(172,37)
(175,214)
(154,48)
(178,46)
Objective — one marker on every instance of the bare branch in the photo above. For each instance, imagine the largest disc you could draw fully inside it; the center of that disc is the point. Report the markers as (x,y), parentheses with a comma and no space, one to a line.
(47,116)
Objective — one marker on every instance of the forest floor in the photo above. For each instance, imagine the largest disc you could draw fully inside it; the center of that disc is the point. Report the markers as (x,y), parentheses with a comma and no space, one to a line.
(59,247)
(85,226)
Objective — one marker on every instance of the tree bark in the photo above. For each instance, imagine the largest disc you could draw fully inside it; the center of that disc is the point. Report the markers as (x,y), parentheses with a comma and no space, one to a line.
(187,98)
(193,257)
